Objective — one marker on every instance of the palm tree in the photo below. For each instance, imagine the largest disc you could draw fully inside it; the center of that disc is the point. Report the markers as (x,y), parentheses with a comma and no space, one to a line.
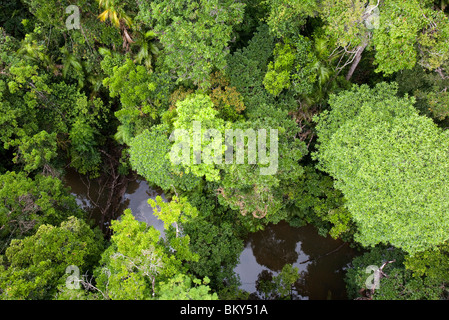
(148,49)
(321,66)
(323,69)
(118,18)
(32,51)
(69,61)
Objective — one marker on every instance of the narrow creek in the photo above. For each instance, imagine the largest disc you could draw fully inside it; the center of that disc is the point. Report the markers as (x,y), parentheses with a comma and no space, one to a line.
(321,261)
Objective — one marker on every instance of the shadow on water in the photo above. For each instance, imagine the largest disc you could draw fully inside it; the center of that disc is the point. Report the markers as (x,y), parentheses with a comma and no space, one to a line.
(321,261)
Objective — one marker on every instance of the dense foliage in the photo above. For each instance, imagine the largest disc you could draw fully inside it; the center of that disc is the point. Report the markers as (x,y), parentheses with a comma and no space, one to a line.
(242,113)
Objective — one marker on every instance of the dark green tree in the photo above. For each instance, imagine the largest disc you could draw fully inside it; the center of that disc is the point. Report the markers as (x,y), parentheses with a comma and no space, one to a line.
(36,265)
(28,203)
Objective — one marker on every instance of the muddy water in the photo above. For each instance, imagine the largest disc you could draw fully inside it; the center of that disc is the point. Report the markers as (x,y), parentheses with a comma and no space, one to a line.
(321,261)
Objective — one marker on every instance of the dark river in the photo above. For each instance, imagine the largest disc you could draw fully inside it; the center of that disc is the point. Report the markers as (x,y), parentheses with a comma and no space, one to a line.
(321,261)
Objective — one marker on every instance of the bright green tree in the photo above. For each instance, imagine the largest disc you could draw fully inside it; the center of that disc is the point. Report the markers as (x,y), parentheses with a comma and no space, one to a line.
(199,155)
(292,68)
(139,265)
(391,165)
(36,152)
(182,287)
(175,212)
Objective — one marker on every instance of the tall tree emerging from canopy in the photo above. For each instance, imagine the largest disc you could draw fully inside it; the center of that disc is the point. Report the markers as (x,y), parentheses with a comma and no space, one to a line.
(391,164)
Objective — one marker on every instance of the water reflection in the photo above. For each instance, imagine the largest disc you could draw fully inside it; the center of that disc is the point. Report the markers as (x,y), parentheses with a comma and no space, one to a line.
(73,180)
(136,198)
(91,196)
(321,261)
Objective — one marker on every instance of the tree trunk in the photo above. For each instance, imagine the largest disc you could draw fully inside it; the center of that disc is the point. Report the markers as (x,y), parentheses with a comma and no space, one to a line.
(358,57)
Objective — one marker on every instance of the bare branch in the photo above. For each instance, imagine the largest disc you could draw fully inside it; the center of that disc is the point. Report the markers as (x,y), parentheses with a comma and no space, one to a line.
(380,273)
(87,284)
